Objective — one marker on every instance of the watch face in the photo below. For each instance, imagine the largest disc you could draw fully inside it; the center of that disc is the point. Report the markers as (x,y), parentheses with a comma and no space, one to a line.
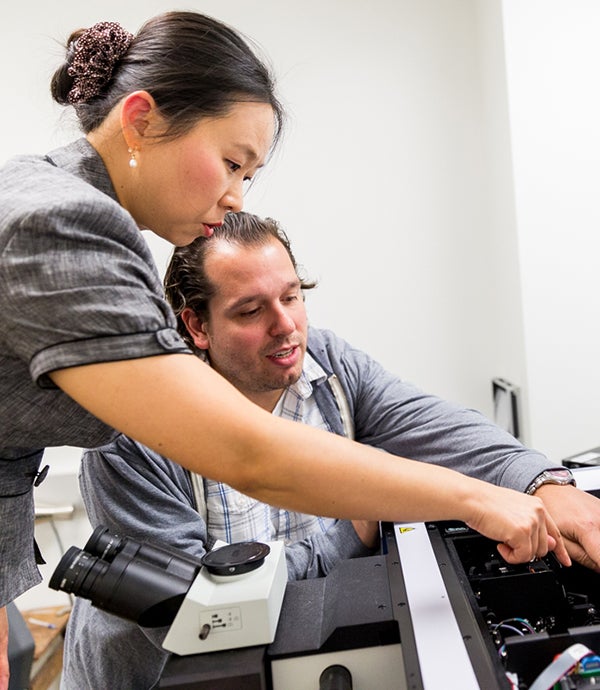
(561,474)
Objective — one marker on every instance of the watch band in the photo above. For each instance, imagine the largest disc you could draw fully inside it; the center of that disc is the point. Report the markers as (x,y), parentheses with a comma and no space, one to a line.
(560,476)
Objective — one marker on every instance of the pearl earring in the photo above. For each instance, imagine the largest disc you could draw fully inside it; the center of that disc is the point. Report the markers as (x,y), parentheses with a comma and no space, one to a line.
(132,159)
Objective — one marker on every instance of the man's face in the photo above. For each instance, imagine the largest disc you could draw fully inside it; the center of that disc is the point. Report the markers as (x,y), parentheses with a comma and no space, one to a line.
(257,327)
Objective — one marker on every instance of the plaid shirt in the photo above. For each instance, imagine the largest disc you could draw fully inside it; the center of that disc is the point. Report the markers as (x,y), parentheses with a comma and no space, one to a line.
(233,516)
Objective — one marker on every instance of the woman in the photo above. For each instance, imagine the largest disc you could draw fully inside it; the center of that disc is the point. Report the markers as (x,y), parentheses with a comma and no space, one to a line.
(176,120)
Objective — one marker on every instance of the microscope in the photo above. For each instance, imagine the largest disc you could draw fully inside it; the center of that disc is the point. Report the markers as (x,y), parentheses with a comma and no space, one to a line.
(229,598)
(234,620)
(437,608)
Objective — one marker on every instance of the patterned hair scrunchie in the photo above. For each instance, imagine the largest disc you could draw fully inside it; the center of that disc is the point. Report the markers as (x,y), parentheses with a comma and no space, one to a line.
(95,55)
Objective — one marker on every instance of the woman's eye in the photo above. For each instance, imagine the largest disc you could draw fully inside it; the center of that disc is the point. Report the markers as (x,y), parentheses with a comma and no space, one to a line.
(234,167)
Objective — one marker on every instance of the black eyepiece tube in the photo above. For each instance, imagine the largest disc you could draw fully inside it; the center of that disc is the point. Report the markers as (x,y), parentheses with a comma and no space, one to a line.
(138,582)
(335,677)
(106,546)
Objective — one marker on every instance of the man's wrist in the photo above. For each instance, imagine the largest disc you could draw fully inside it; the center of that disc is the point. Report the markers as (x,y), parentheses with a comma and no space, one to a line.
(558,476)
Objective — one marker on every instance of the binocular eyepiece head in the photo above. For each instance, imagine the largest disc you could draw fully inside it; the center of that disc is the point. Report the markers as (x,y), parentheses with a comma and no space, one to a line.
(137,581)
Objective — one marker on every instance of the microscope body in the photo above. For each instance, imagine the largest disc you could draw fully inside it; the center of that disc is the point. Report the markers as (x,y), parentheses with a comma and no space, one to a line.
(227,612)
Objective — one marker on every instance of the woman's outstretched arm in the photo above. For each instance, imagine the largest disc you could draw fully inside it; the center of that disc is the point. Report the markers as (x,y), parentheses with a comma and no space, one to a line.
(181,408)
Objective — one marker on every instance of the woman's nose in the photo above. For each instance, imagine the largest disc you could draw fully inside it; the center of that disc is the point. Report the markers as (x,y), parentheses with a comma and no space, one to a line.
(233,199)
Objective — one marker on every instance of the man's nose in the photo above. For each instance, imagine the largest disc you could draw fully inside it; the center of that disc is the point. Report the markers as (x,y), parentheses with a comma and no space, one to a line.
(282,322)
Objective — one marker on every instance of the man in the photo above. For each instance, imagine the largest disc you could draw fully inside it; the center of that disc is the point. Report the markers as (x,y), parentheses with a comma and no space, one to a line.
(239,302)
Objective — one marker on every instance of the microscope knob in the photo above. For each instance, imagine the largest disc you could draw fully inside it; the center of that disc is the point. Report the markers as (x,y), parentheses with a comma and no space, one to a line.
(236,559)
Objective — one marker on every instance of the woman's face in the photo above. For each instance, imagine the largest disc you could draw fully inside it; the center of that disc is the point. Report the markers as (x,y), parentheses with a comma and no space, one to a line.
(182,187)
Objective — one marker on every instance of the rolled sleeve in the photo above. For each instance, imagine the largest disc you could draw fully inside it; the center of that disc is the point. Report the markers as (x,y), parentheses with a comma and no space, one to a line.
(78,285)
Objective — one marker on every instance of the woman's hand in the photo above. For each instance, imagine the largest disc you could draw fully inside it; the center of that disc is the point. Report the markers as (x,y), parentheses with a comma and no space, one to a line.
(519,522)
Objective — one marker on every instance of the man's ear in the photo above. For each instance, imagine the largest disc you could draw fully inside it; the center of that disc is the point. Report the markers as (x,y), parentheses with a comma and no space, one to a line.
(195,327)
(139,116)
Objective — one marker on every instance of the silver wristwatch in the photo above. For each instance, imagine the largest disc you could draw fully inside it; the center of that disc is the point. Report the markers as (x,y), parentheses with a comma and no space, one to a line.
(562,477)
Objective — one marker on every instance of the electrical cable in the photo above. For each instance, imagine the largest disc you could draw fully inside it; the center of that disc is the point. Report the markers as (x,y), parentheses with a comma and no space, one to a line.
(560,667)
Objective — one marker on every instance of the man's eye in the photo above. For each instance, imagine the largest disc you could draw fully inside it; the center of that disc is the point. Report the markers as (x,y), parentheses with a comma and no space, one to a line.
(252,312)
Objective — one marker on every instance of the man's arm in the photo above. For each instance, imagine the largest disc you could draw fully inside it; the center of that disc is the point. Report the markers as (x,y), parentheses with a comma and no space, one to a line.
(138,493)
(395,415)
(577,515)
(400,418)
(317,555)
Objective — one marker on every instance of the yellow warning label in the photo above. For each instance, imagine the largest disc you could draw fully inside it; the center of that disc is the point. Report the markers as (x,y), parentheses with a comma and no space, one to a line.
(402,530)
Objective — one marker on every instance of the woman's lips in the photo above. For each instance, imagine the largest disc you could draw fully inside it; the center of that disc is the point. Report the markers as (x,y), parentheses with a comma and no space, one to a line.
(209,228)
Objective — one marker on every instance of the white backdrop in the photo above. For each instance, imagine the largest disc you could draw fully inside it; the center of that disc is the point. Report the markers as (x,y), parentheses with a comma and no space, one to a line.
(440,183)
(553,71)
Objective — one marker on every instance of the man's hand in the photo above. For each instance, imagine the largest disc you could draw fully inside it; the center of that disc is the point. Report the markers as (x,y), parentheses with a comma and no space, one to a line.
(4,671)
(367,531)
(577,516)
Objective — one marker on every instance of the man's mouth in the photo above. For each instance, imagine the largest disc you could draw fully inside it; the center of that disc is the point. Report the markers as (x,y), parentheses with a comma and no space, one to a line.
(283,353)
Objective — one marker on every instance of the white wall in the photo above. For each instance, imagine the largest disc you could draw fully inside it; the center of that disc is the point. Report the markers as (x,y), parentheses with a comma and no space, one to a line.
(382,185)
(410,133)
(553,67)
(381,181)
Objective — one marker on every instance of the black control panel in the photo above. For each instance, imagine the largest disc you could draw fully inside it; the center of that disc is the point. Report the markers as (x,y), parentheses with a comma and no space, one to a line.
(517,619)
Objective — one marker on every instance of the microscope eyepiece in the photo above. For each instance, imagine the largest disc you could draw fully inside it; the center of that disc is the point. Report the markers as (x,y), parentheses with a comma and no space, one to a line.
(139,582)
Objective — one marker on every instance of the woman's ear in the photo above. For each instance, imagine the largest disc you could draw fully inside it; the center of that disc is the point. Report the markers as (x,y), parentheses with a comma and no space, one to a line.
(138,115)
(195,327)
